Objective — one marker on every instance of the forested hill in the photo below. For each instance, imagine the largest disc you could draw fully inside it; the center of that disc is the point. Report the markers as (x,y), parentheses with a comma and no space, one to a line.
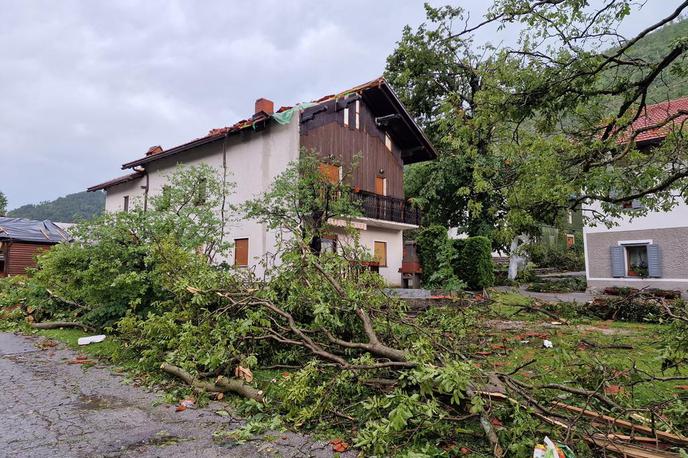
(668,86)
(68,209)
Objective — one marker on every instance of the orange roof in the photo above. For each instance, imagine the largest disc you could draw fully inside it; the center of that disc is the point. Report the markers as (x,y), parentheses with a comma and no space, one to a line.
(656,114)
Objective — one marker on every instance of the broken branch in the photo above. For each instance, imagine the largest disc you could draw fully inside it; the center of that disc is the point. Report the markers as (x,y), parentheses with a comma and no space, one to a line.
(61,324)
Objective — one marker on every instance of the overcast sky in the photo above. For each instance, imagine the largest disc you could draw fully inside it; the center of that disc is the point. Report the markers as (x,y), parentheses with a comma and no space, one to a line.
(86,86)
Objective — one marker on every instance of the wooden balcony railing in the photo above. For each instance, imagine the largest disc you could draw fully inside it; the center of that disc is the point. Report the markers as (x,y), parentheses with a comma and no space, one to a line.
(387,208)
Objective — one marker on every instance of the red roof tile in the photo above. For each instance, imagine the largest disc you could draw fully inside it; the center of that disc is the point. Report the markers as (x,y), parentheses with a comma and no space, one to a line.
(656,114)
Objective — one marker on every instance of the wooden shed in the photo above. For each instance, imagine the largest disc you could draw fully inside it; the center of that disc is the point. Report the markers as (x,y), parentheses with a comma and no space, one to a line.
(21,240)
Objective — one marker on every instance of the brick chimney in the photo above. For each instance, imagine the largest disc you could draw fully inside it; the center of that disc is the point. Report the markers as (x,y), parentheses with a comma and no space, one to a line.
(154,150)
(264,105)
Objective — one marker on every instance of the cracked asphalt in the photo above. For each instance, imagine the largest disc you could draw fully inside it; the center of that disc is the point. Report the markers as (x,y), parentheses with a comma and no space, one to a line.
(49,408)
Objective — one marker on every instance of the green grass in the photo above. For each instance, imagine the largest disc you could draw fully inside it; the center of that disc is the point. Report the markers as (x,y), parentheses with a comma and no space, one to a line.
(104,350)
(564,363)
(507,304)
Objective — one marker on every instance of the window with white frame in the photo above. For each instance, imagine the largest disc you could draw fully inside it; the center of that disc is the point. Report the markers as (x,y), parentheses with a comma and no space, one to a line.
(636,259)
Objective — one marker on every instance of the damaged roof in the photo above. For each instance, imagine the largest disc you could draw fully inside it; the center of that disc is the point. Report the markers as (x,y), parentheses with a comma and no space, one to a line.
(29,230)
(376,93)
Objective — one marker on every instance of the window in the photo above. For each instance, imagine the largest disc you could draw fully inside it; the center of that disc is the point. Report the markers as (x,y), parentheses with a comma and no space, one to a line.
(380,253)
(358,112)
(346,116)
(2,258)
(381,186)
(331,172)
(328,243)
(201,192)
(570,240)
(125,206)
(636,261)
(241,252)
(164,202)
(636,258)
(631,204)
(388,142)
(570,216)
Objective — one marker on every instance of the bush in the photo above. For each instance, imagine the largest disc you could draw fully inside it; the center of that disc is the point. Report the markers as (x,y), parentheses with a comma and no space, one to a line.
(556,257)
(432,244)
(473,262)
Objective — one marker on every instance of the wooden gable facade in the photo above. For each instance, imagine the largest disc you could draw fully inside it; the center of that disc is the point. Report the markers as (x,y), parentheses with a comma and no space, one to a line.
(344,132)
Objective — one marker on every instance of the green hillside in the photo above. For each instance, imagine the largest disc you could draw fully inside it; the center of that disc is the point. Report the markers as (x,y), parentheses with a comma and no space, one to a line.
(668,86)
(68,209)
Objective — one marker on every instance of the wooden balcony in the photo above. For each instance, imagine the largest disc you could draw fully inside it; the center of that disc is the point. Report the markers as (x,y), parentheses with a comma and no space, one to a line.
(387,208)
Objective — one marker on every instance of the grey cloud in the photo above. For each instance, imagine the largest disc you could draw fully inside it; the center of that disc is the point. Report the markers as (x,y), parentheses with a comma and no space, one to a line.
(86,86)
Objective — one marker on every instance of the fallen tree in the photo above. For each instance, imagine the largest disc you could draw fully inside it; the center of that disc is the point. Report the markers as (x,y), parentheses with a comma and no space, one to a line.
(337,350)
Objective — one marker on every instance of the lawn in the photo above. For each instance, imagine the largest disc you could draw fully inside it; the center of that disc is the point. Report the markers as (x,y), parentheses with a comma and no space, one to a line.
(585,352)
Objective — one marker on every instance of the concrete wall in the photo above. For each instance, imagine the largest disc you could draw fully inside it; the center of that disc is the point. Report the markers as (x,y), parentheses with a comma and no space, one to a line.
(673,245)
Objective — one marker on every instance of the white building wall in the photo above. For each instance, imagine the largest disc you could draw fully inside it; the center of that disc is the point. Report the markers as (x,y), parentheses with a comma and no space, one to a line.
(114,199)
(253,161)
(368,235)
(669,230)
(677,217)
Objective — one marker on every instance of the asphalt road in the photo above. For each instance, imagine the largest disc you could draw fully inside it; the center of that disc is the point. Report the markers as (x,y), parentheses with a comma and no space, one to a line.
(49,408)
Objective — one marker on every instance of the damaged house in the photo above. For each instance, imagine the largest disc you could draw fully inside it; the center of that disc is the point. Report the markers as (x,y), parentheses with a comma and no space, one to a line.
(366,125)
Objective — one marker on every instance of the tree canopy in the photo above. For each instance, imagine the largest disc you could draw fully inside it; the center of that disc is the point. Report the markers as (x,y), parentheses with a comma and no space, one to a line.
(3,204)
(527,131)
(68,209)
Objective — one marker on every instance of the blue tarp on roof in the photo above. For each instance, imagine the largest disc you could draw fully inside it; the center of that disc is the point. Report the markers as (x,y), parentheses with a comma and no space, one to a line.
(29,230)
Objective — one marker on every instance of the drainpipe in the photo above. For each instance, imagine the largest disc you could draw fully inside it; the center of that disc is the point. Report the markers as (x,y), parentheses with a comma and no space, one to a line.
(145,188)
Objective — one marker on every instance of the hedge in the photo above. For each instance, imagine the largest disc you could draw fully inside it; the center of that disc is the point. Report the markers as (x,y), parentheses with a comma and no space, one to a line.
(473,262)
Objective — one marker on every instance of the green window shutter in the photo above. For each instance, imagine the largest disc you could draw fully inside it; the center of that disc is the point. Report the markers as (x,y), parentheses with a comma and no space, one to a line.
(618,262)
(654,261)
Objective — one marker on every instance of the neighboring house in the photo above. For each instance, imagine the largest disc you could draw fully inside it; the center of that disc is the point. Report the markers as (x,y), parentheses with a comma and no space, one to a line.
(366,124)
(570,232)
(647,251)
(21,240)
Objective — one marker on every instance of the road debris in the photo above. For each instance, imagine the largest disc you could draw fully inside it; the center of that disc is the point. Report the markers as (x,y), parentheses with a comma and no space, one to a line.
(90,339)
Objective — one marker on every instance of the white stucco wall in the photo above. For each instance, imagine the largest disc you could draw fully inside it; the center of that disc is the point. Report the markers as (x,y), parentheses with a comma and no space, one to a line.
(662,228)
(677,217)
(395,248)
(253,161)
(114,200)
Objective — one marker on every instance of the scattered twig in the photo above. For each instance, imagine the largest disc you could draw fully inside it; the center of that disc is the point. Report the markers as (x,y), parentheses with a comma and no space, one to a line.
(607,347)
